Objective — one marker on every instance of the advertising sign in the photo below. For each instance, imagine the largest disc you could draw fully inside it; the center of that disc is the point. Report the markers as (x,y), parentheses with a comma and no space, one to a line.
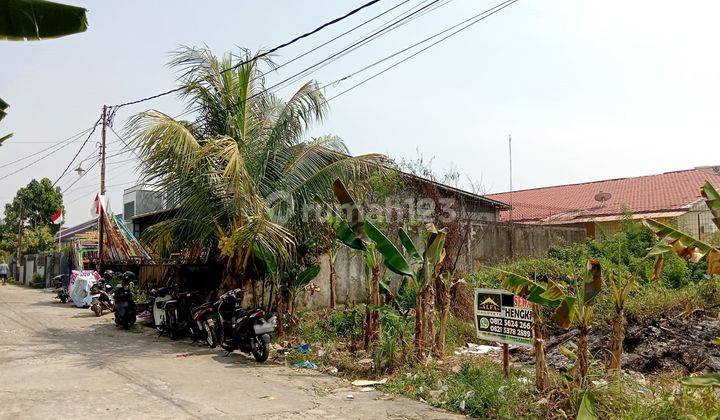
(503,317)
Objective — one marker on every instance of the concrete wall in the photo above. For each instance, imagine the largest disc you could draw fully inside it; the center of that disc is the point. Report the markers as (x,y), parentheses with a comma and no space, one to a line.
(489,243)
(47,265)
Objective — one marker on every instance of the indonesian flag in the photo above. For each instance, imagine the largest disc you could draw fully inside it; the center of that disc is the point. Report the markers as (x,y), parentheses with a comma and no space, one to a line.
(100,203)
(57,217)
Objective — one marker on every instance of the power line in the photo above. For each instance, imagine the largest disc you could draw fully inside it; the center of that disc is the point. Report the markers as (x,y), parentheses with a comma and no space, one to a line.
(272,50)
(477,18)
(56,144)
(78,152)
(34,162)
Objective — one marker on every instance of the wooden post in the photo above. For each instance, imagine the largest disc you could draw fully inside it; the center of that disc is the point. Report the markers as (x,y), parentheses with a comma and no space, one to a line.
(101,210)
(19,244)
(506,360)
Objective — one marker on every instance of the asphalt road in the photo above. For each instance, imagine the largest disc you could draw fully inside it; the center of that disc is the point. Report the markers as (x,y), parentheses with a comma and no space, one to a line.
(58,361)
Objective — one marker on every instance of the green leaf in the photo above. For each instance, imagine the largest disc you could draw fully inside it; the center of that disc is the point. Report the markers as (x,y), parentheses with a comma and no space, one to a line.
(553,292)
(307,275)
(435,246)
(712,200)
(348,208)
(409,245)
(702,381)
(392,258)
(5,137)
(587,408)
(38,19)
(345,234)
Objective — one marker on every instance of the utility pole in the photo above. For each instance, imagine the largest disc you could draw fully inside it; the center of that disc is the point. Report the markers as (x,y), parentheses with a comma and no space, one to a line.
(19,244)
(101,210)
(512,224)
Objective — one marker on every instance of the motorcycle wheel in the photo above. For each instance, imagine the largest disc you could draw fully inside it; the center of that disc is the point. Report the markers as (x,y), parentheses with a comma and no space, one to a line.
(220,337)
(171,323)
(97,309)
(261,350)
(210,338)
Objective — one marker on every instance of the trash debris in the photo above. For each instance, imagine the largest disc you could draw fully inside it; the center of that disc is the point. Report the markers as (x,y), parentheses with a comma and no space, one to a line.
(363,382)
(321,352)
(305,364)
(268,397)
(524,380)
(469,394)
(350,397)
(303,348)
(367,389)
(332,370)
(602,383)
(503,389)
(475,349)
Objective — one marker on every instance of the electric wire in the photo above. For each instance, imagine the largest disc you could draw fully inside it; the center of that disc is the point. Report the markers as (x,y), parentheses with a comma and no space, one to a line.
(78,152)
(477,18)
(266,53)
(68,140)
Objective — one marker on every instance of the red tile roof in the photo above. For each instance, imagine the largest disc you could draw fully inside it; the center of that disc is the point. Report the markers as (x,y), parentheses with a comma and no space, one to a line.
(671,191)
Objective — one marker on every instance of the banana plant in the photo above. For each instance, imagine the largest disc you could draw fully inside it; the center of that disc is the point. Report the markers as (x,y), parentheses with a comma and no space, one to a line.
(573,303)
(39,19)
(428,263)
(687,247)
(349,227)
(362,235)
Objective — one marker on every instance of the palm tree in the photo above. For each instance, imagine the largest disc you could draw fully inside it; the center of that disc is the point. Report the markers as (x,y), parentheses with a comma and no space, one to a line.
(241,171)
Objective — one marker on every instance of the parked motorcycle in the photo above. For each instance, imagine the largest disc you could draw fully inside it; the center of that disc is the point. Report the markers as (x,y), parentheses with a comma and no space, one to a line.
(173,316)
(101,299)
(124,305)
(60,286)
(240,329)
(202,327)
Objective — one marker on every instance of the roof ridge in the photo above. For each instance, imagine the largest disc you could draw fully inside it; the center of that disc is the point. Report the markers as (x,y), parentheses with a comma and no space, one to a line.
(594,182)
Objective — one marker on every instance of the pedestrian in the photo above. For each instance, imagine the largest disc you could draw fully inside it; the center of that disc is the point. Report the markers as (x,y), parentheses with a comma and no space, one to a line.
(4,271)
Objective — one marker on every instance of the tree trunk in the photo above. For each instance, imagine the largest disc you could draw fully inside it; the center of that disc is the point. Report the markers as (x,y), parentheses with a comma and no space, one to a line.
(616,340)
(375,301)
(444,314)
(583,357)
(333,292)
(281,308)
(429,317)
(419,325)
(541,368)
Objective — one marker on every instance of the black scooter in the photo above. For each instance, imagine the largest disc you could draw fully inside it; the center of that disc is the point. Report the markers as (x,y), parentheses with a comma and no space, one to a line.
(61,288)
(124,305)
(239,329)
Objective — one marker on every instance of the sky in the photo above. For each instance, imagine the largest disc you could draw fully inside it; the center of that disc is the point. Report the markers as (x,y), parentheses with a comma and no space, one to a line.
(588,90)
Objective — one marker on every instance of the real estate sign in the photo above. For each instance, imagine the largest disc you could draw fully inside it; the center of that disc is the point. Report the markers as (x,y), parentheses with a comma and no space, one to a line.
(503,317)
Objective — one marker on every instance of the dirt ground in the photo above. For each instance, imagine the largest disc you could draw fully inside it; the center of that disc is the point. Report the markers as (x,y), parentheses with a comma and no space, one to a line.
(58,361)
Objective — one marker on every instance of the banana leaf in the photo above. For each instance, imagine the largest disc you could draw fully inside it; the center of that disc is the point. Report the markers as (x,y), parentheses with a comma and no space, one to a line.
(409,245)
(684,245)
(392,258)
(348,208)
(712,200)
(593,282)
(345,234)
(587,408)
(38,19)
(565,313)
(3,106)
(307,276)
(435,246)
(5,137)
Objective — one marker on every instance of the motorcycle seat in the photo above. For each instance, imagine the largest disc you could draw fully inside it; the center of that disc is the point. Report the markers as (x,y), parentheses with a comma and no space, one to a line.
(167,304)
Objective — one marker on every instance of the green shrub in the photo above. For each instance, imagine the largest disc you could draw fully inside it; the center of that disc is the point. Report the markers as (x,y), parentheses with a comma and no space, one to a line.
(38,281)
(487,394)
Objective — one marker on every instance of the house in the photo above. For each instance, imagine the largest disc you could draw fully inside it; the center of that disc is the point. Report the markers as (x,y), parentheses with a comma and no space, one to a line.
(144,207)
(599,206)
